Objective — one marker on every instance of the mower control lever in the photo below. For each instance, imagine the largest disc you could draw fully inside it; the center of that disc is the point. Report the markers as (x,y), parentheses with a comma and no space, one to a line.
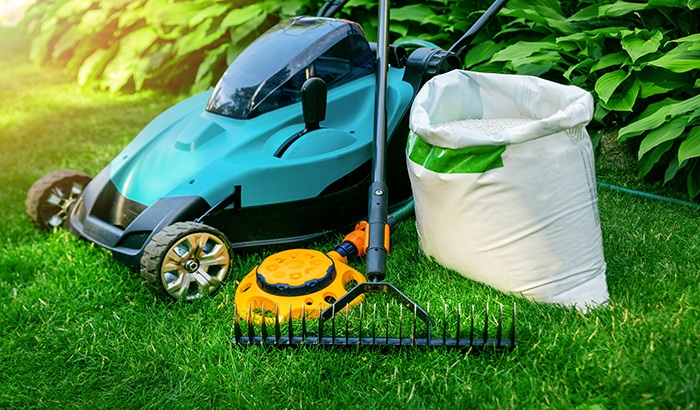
(313,110)
(313,103)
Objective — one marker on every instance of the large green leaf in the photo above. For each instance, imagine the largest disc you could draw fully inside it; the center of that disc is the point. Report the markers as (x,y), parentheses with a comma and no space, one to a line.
(67,42)
(523,49)
(548,59)
(138,41)
(673,167)
(594,34)
(683,58)
(553,21)
(415,12)
(616,59)
(668,3)
(667,132)
(197,39)
(656,81)
(685,106)
(655,115)
(641,43)
(624,97)
(140,71)
(441,21)
(131,13)
(238,17)
(250,27)
(608,83)
(211,58)
(292,8)
(94,21)
(129,62)
(545,8)
(583,66)
(72,9)
(534,69)
(690,148)
(211,12)
(647,162)
(619,8)
(694,38)
(117,73)
(49,31)
(693,180)
(585,14)
(173,13)
(481,52)
(94,65)
(659,113)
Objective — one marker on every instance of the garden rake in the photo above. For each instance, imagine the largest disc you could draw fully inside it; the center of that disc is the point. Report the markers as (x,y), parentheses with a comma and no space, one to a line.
(306,297)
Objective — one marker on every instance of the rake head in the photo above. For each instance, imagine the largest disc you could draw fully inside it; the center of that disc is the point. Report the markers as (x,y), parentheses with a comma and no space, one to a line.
(398,324)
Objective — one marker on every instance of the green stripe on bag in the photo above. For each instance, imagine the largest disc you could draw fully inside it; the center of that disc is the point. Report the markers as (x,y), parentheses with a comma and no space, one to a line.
(468,160)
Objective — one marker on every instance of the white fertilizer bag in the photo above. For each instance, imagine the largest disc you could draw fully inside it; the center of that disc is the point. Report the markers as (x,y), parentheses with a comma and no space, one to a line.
(503,179)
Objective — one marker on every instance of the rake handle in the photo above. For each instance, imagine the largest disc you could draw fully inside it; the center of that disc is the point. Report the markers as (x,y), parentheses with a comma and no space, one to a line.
(378,190)
(376,244)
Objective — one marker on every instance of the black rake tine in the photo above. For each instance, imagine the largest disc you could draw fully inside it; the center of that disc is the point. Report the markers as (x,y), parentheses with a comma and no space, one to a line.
(471,330)
(400,324)
(237,334)
(251,330)
(320,324)
(428,338)
(459,320)
(374,325)
(290,327)
(413,333)
(444,324)
(277,324)
(263,328)
(499,329)
(486,325)
(386,322)
(362,324)
(512,329)
(303,323)
(332,324)
(347,316)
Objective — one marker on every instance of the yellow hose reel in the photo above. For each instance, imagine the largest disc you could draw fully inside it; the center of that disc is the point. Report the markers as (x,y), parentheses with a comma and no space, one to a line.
(295,282)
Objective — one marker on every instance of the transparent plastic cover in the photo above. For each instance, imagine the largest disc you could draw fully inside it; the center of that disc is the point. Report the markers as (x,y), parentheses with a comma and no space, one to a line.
(270,72)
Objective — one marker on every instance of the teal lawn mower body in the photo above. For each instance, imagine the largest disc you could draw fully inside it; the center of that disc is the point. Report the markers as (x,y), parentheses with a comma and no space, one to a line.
(279,152)
(241,157)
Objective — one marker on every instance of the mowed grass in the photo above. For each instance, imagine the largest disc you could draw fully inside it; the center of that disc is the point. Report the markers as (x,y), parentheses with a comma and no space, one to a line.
(79,330)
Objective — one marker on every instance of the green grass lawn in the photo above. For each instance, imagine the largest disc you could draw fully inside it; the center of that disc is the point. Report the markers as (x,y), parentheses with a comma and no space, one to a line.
(79,330)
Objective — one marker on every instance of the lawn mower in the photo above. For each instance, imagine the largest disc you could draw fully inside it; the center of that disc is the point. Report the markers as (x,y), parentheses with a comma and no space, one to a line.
(279,152)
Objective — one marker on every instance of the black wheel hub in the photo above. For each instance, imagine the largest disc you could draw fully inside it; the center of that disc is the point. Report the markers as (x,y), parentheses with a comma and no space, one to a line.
(192,265)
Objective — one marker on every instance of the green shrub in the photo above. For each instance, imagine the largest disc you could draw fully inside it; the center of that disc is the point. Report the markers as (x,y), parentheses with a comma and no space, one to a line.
(175,45)
(640,60)
(185,45)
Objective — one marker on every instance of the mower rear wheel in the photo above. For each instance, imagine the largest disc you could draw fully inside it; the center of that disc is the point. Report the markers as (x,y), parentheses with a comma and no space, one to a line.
(186,261)
(51,197)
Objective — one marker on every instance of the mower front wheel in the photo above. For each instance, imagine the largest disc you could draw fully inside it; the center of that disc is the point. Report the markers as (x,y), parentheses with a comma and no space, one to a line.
(186,261)
(51,197)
